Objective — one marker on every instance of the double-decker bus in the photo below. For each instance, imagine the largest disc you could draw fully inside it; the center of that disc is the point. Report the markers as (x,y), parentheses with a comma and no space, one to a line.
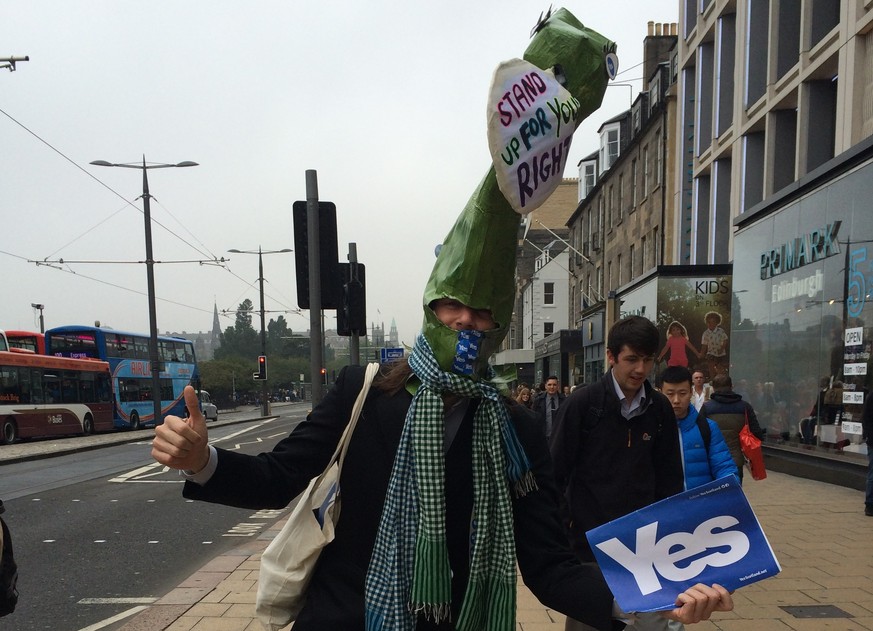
(52,396)
(128,357)
(26,340)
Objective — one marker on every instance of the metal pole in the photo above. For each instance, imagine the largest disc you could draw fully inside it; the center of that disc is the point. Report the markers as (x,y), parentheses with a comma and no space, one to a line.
(41,322)
(153,317)
(265,390)
(354,341)
(316,351)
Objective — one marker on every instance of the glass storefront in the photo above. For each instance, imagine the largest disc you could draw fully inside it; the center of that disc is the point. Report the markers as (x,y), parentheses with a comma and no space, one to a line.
(802,318)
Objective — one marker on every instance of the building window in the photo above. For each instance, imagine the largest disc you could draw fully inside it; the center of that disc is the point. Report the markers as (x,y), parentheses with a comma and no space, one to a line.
(619,270)
(548,328)
(620,212)
(656,247)
(609,146)
(548,293)
(633,184)
(643,254)
(587,178)
(610,207)
(631,261)
(645,170)
(659,153)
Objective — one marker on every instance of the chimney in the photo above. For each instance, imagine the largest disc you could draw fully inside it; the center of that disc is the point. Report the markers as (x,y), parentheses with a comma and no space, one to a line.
(656,47)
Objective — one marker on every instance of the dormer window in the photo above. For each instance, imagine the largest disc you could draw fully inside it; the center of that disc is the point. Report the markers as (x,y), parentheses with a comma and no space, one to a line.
(587,177)
(609,146)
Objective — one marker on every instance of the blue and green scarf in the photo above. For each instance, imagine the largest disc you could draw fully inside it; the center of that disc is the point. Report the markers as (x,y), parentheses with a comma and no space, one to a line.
(409,570)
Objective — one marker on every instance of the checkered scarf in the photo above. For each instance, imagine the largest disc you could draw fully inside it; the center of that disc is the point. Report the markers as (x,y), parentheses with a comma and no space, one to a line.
(409,571)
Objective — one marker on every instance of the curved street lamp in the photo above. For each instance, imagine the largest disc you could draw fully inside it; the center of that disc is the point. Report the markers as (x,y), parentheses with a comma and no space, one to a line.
(265,403)
(150,270)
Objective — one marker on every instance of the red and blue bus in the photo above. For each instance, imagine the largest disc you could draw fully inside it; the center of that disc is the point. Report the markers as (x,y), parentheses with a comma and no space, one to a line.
(51,396)
(128,357)
(26,340)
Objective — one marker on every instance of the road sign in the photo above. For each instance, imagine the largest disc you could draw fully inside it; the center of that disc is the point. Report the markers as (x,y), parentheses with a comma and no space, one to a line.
(390,354)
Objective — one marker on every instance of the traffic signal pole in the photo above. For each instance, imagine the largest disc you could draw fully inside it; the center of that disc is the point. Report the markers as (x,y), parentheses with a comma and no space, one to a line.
(316,352)
(265,390)
(354,342)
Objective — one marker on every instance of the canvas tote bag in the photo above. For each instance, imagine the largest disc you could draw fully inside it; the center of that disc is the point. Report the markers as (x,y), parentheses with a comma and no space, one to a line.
(288,562)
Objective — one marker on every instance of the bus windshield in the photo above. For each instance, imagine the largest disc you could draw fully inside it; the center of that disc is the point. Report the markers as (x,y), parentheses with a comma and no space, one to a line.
(27,341)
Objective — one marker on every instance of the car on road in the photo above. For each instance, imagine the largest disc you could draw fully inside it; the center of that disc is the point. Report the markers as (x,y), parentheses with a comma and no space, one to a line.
(210,410)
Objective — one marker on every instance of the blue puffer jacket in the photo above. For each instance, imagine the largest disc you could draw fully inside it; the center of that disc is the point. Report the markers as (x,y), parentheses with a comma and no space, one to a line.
(698,468)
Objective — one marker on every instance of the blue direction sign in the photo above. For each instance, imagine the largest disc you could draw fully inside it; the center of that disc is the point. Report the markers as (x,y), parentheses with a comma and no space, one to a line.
(390,354)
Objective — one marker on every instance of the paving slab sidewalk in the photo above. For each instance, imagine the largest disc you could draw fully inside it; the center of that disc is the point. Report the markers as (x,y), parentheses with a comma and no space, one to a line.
(819,532)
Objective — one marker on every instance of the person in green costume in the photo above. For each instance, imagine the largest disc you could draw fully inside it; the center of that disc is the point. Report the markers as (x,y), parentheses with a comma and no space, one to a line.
(446,488)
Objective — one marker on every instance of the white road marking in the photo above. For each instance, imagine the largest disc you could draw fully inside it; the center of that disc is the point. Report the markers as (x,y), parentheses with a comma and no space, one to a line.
(109,621)
(116,601)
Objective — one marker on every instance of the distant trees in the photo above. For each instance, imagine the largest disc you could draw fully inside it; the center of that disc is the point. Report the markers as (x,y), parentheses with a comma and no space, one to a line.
(236,358)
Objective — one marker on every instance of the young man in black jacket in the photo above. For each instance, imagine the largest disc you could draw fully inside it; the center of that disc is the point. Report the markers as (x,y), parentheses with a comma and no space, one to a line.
(615,445)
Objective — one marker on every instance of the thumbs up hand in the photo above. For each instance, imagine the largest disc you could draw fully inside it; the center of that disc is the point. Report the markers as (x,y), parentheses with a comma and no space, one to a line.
(183,443)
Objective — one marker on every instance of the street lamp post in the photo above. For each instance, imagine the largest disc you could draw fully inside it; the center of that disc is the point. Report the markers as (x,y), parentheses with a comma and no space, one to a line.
(150,271)
(40,307)
(265,403)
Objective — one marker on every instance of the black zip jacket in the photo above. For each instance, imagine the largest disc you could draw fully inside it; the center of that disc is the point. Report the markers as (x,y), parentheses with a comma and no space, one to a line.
(608,466)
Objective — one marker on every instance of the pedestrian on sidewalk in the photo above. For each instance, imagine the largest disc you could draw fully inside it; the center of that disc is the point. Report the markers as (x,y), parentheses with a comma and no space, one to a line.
(546,405)
(867,435)
(731,413)
(616,444)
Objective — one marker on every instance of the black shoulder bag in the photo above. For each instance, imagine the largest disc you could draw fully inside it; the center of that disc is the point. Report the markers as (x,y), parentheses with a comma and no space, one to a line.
(8,571)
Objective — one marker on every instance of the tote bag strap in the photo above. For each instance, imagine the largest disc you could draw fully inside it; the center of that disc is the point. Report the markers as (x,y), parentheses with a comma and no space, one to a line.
(343,445)
(341,448)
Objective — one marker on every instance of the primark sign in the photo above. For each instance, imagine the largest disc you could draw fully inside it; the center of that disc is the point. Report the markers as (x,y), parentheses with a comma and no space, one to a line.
(808,248)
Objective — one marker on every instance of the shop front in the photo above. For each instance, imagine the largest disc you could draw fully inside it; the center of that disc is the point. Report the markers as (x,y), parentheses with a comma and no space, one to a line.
(691,307)
(556,355)
(802,325)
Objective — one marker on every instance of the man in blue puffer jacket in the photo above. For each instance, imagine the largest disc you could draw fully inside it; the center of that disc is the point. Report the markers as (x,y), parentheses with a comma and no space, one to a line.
(702,462)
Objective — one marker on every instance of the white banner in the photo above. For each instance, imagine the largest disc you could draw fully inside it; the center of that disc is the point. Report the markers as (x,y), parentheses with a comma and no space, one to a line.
(531,120)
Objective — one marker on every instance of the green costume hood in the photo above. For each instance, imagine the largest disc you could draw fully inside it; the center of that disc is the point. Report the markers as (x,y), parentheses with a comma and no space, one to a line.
(476,264)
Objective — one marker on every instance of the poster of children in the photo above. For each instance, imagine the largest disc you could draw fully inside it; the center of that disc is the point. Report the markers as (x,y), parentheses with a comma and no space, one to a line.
(694,320)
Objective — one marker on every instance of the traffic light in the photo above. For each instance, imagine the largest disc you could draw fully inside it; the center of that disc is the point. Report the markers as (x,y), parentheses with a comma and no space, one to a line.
(331,282)
(324,376)
(351,316)
(261,375)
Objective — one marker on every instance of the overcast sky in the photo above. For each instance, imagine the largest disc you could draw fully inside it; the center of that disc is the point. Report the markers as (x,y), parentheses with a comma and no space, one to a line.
(385,100)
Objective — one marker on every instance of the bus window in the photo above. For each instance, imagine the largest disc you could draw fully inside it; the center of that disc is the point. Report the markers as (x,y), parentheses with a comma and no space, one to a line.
(141,347)
(9,385)
(69,389)
(37,395)
(104,390)
(128,390)
(51,385)
(75,345)
(24,385)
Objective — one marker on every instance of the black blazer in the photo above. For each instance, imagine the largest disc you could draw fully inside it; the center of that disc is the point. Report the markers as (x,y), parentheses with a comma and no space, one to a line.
(335,599)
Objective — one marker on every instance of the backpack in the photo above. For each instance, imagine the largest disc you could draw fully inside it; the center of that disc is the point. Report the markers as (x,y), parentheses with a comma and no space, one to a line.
(8,571)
